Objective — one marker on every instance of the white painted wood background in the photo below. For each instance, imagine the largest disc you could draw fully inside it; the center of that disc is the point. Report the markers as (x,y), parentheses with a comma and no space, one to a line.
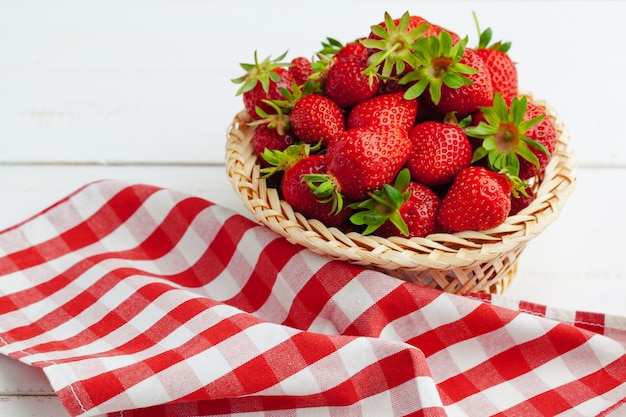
(139,90)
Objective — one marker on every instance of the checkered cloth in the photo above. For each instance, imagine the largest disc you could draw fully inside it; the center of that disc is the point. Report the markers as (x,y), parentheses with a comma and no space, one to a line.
(141,301)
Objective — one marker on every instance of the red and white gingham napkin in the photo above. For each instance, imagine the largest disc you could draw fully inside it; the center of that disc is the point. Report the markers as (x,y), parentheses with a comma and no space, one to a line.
(141,301)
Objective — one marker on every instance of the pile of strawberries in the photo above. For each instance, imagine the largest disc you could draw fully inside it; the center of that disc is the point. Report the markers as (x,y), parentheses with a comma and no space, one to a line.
(404,132)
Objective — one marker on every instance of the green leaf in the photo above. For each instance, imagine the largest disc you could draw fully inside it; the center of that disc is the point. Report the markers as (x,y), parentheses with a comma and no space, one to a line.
(416,90)
(481,131)
(527,154)
(537,145)
(453,80)
(527,124)
(465,69)
(446,42)
(485,38)
(434,88)
(379,31)
(518,109)
(479,154)
(398,221)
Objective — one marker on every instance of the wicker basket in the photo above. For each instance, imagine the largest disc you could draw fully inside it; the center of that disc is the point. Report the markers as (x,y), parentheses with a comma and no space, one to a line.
(470,261)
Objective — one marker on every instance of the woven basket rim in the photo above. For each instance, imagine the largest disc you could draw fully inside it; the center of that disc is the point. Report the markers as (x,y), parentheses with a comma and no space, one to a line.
(439,251)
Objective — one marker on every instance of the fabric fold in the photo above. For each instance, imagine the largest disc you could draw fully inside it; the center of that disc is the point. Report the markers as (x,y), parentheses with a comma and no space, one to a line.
(137,300)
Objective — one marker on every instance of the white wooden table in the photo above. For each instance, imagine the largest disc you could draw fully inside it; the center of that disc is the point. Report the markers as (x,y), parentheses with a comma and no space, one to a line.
(140,91)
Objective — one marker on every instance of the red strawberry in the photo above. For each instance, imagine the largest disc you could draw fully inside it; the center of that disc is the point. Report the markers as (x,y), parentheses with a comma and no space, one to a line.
(502,71)
(361,160)
(385,110)
(479,199)
(390,46)
(278,161)
(521,200)
(301,68)
(272,132)
(407,209)
(454,77)
(353,50)
(392,43)
(440,152)
(316,118)
(510,132)
(543,133)
(501,68)
(298,194)
(267,138)
(347,85)
(467,98)
(263,81)
(419,212)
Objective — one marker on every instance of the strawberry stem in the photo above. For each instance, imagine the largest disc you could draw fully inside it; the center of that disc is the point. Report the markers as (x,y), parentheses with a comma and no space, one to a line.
(324,187)
(504,135)
(260,72)
(384,204)
(439,64)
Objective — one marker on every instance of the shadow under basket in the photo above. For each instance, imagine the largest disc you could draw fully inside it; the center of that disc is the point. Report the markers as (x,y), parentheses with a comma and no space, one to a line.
(469,261)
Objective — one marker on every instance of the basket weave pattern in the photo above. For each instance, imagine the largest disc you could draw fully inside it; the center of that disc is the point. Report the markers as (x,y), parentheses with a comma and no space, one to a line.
(469,261)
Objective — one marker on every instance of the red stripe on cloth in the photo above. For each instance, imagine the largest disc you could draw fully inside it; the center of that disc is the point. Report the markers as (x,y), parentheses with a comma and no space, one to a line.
(483,319)
(512,363)
(567,397)
(120,208)
(218,254)
(594,322)
(318,291)
(258,287)
(532,308)
(403,301)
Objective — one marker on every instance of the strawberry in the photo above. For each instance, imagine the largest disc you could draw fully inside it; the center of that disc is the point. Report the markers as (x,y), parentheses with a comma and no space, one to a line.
(501,67)
(448,72)
(268,138)
(521,200)
(316,118)
(467,98)
(543,133)
(385,110)
(392,44)
(274,160)
(300,69)
(510,132)
(440,152)
(298,194)
(478,199)
(347,85)
(407,208)
(361,160)
(262,82)
(353,50)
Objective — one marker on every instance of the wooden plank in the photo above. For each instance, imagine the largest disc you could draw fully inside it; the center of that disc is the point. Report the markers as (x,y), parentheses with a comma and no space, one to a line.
(31,406)
(34,188)
(88,85)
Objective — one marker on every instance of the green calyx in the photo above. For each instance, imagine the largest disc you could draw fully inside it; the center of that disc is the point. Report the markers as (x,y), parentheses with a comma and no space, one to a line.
(394,49)
(504,135)
(484,40)
(283,160)
(439,64)
(383,205)
(324,187)
(277,120)
(260,72)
